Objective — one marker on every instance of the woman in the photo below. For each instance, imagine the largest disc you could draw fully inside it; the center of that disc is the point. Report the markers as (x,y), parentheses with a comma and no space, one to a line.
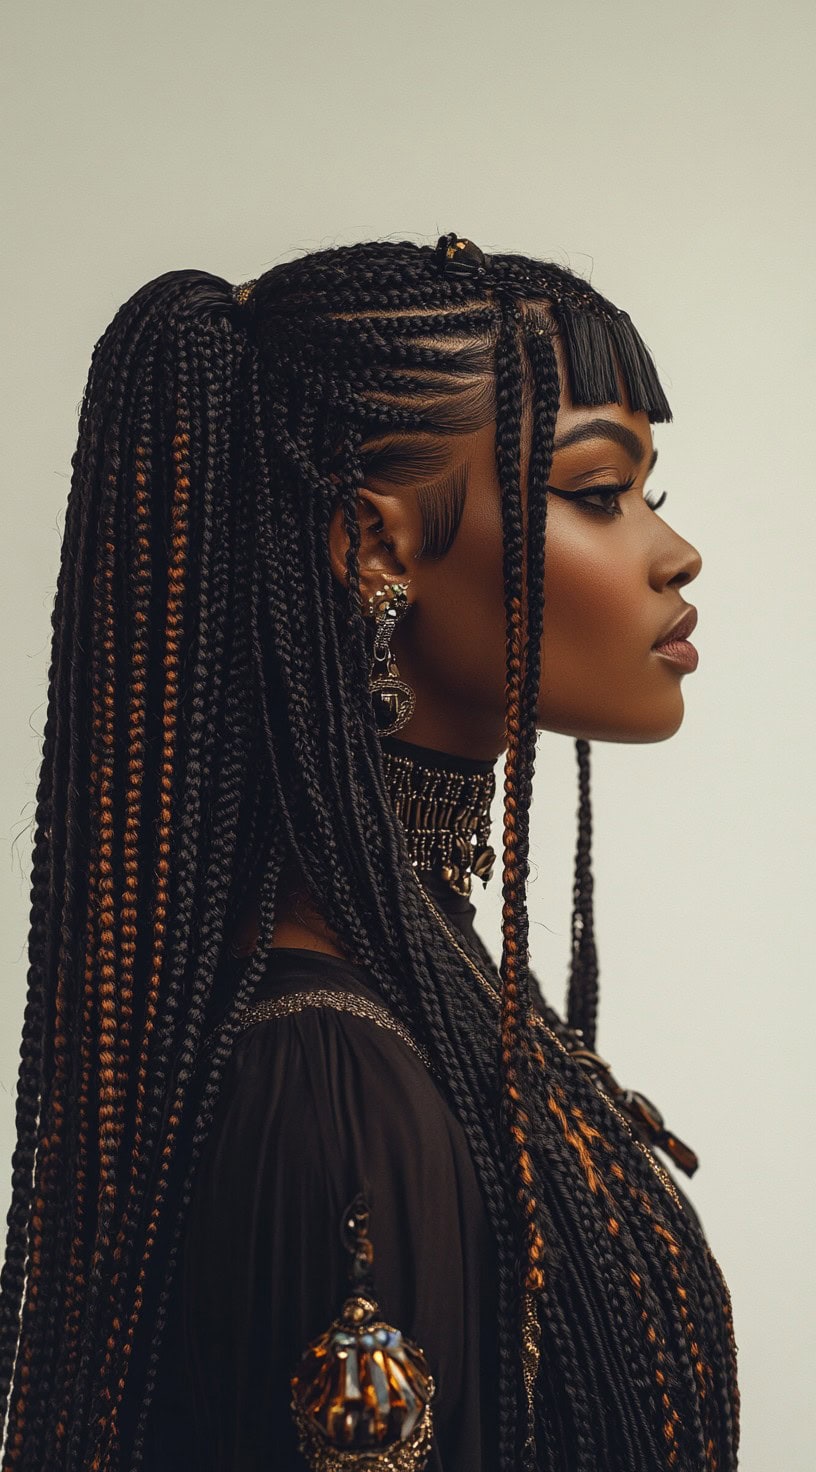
(315,1183)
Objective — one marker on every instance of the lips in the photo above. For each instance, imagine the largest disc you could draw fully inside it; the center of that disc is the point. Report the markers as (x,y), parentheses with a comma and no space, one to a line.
(681,629)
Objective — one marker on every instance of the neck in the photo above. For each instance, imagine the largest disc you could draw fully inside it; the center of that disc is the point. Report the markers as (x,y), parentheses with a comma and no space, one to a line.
(443,805)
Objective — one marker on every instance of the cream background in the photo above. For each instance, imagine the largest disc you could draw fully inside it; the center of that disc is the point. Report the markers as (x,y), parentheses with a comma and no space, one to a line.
(661,148)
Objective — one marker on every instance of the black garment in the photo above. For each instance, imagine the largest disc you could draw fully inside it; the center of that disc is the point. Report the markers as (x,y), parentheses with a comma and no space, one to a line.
(315,1107)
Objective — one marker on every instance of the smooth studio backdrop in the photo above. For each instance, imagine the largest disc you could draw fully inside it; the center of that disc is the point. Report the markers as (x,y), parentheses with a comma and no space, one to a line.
(662,150)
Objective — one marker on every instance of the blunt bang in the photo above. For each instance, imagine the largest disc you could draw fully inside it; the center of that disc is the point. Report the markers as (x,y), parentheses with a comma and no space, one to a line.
(602,348)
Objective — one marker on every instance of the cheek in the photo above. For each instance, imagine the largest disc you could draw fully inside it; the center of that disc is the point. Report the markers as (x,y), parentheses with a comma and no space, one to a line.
(458,632)
(592,592)
(599,677)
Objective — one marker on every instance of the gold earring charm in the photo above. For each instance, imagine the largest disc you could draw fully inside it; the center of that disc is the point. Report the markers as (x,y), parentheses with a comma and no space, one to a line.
(363,1391)
(393,697)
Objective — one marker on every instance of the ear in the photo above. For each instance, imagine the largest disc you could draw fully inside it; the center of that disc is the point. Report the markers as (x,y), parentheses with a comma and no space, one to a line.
(388,530)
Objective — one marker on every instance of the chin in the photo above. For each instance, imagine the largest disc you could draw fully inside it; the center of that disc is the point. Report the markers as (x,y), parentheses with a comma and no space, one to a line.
(657,723)
(637,736)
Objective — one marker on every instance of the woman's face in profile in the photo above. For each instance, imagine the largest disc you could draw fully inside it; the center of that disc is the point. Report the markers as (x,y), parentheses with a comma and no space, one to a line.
(614,571)
(615,575)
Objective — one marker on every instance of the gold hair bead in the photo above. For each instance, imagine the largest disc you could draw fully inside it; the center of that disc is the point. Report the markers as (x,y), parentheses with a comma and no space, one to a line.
(243,292)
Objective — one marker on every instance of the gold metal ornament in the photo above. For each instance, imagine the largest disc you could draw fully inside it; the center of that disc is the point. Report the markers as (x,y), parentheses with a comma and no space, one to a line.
(361,1395)
(388,605)
(243,291)
(445,817)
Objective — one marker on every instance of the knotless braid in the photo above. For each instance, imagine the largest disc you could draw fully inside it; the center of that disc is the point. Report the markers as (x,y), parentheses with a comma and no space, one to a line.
(208,727)
(582,992)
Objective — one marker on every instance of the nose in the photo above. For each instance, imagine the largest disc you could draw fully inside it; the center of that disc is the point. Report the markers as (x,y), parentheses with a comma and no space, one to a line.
(675,563)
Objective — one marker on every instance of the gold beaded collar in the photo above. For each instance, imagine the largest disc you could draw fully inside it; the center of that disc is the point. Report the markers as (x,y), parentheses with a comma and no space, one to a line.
(443,804)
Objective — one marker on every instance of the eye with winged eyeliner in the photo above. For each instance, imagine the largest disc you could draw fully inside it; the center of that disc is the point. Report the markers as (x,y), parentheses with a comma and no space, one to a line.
(607,493)
(630,443)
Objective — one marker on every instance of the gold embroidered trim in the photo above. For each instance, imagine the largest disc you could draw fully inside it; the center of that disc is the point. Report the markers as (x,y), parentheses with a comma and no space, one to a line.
(293,1002)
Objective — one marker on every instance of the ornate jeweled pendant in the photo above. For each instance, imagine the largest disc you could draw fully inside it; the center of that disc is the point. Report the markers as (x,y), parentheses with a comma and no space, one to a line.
(361,1395)
(397,700)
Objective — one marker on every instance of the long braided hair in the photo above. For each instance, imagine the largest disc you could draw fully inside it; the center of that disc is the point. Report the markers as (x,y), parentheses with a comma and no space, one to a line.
(208,725)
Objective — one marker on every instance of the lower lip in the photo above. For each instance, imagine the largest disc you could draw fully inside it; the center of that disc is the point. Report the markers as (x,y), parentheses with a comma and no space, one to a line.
(680,652)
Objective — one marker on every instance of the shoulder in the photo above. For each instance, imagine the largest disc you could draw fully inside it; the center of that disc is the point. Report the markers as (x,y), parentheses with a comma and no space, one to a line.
(328,1080)
(322,1100)
(342,1008)
(312,1028)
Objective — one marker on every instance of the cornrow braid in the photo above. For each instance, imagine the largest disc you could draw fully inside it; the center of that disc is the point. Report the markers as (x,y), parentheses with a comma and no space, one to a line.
(209,727)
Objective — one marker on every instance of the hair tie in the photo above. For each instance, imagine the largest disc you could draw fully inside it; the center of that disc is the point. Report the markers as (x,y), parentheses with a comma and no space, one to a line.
(459,257)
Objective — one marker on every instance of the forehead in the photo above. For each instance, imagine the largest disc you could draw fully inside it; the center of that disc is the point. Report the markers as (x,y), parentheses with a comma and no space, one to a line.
(602,419)
(614,423)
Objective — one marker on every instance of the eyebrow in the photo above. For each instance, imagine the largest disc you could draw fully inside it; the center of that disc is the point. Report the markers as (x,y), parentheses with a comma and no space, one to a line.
(606,429)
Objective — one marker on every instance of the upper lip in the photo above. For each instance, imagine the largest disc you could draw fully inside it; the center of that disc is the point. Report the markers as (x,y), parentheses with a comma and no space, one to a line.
(680,629)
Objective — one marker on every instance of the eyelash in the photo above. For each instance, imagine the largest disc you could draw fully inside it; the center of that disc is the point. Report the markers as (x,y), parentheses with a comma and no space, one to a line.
(608,493)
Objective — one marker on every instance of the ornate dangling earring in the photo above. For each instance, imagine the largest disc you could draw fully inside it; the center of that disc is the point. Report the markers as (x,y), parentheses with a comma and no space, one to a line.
(392,696)
(362,1393)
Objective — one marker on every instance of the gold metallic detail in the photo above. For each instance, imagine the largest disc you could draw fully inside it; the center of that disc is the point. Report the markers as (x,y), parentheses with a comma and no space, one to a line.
(531,1332)
(293,1002)
(406,1456)
(358,1386)
(362,1392)
(389,601)
(530,1354)
(243,292)
(445,816)
(388,605)
(409,1456)
(359,1308)
(537,1021)
(654,1164)
(397,697)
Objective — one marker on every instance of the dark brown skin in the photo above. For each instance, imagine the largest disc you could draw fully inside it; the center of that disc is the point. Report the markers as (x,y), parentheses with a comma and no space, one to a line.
(612,587)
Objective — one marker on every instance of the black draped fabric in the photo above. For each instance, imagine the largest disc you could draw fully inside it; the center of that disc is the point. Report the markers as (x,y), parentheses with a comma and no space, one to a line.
(315,1107)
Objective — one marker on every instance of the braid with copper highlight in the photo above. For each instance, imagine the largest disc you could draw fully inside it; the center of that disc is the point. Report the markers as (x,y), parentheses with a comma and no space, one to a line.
(209,726)
(518,766)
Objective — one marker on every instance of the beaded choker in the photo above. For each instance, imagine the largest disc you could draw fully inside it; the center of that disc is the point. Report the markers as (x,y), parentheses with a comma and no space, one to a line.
(443,804)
